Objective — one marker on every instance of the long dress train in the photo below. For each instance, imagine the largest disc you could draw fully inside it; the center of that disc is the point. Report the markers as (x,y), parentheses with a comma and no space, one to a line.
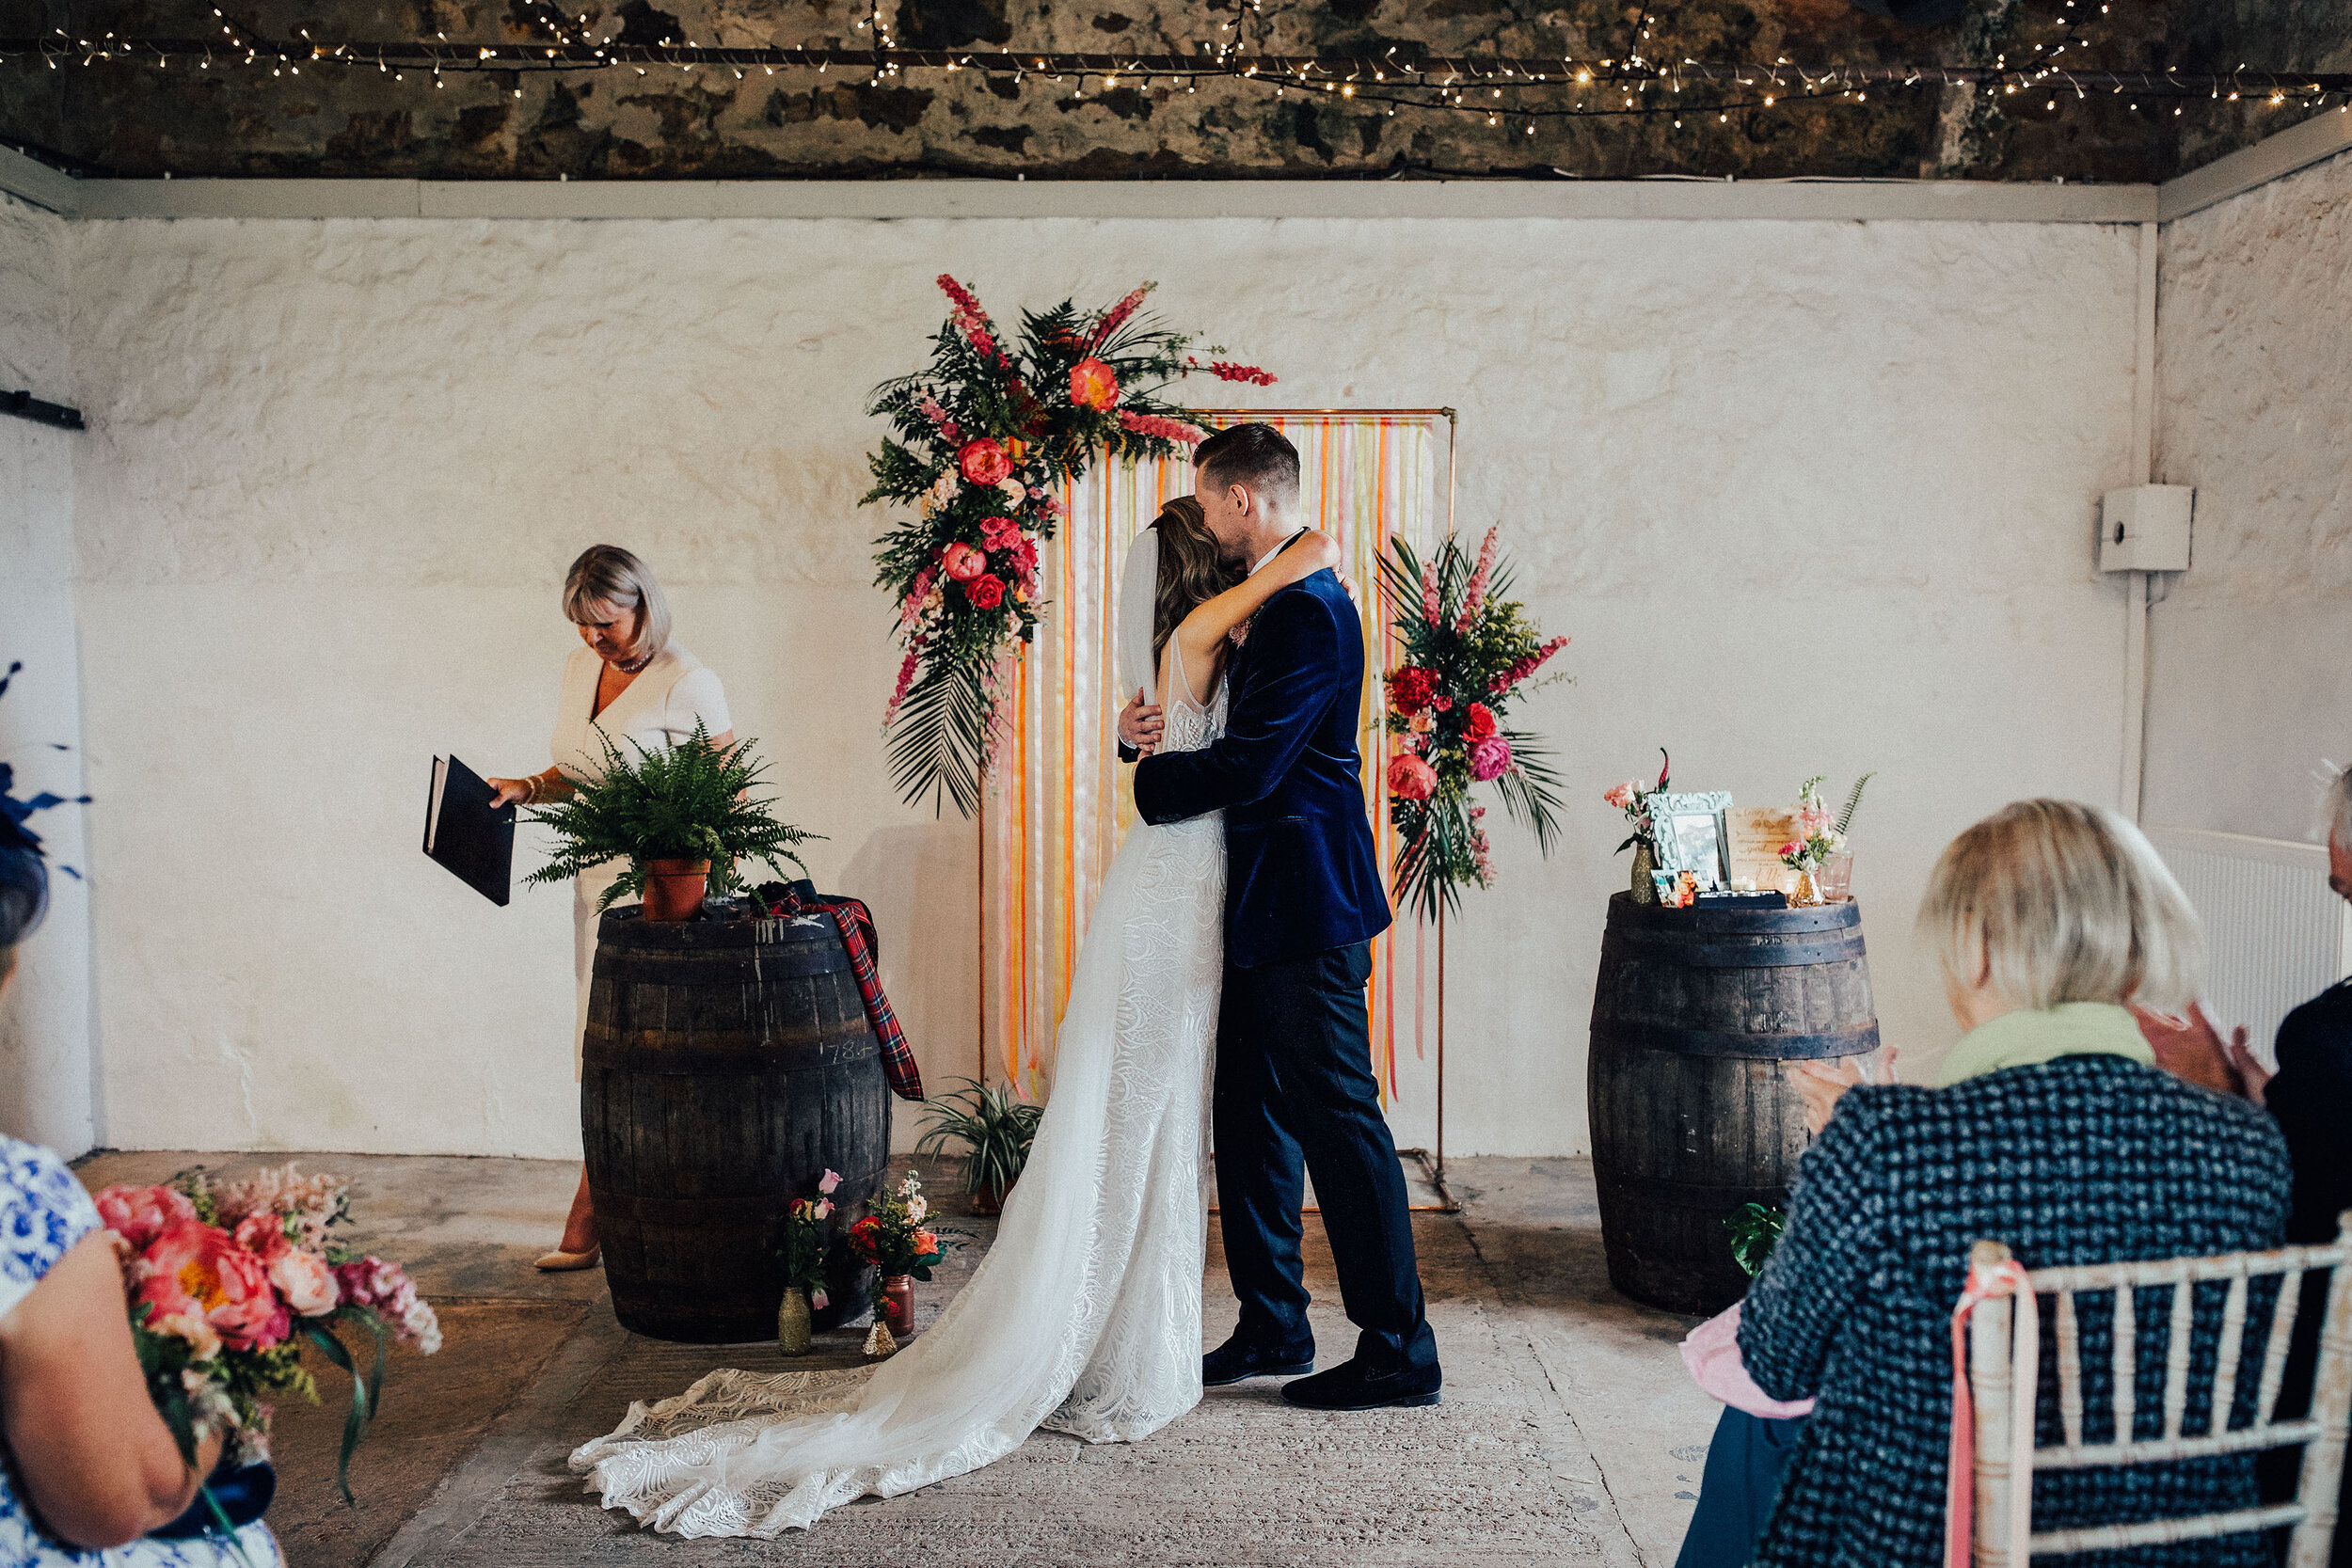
(1085,1316)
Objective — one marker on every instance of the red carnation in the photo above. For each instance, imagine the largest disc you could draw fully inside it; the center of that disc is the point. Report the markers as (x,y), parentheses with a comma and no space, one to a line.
(1410,688)
(1409,778)
(986,592)
(1478,722)
(983,462)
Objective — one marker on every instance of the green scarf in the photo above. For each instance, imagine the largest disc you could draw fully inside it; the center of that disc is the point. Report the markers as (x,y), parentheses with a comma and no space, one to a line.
(2030,1037)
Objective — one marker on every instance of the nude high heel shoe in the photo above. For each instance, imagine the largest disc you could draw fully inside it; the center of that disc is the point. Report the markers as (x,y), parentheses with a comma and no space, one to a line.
(560,1261)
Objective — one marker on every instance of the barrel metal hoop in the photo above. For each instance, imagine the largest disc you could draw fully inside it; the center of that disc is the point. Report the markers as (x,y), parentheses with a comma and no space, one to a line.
(648,1053)
(688,1212)
(739,966)
(1679,1040)
(1685,1195)
(1755,951)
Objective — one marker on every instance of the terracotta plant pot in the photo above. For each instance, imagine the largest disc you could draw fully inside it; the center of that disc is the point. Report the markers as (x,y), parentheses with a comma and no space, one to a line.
(991,1200)
(898,1300)
(674,889)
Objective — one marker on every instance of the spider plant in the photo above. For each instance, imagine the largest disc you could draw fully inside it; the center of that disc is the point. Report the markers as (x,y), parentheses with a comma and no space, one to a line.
(995,1126)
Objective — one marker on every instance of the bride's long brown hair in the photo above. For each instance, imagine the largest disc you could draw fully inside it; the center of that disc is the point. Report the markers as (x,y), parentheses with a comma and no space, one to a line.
(1191,572)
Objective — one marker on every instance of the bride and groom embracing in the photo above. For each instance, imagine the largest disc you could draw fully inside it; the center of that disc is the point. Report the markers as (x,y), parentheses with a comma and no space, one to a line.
(1224,966)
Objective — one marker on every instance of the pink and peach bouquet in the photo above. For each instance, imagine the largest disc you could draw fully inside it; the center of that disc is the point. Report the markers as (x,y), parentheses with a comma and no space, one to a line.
(226,1284)
(982,445)
(1468,652)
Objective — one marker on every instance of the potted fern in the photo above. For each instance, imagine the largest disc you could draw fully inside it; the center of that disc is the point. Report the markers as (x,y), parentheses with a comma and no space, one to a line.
(995,1126)
(683,819)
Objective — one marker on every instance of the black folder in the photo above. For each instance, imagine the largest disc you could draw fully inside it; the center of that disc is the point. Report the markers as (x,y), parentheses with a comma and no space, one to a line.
(467,833)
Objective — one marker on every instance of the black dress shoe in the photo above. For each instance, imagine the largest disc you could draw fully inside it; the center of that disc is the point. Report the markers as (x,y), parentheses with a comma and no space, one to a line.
(1233,1361)
(1353,1386)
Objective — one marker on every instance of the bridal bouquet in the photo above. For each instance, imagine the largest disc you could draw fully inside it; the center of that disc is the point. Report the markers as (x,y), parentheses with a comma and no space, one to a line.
(227,1284)
(981,441)
(1468,653)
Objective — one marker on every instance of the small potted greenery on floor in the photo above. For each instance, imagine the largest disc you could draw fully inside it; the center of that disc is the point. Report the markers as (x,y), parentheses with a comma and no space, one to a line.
(683,819)
(997,1128)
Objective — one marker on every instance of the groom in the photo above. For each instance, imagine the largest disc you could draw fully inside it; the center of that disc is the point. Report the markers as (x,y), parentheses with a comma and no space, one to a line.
(1302,901)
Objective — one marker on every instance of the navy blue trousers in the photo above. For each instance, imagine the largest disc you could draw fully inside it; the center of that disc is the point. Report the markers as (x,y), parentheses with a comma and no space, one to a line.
(1744,1465)
(1294,1092)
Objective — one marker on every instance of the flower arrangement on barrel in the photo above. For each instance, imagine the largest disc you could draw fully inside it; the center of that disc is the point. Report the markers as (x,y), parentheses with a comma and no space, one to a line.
(1632,800)
(1818,852)
(226,1285)
(982,440)
(1468,653)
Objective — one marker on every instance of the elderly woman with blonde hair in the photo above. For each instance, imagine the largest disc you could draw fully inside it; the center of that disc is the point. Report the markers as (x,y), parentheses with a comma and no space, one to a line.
(634,686)
(2051,1129)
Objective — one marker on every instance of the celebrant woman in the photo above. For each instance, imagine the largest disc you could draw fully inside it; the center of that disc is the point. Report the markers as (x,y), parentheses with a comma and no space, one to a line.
(635,686)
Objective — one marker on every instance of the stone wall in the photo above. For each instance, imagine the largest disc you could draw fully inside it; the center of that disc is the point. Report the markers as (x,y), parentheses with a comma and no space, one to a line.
(1810,498)
(2249,688)
(44,1013)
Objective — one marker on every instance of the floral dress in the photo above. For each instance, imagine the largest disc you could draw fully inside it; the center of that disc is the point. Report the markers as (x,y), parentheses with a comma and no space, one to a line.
(43,1213)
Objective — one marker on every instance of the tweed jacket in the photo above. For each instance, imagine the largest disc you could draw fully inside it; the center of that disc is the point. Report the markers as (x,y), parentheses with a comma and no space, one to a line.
(2083,1160)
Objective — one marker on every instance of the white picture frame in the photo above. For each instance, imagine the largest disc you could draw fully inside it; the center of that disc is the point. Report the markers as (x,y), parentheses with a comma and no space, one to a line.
(1688,830)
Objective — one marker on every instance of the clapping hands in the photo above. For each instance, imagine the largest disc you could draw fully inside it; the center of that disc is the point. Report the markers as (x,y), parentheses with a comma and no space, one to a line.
(1822,1083)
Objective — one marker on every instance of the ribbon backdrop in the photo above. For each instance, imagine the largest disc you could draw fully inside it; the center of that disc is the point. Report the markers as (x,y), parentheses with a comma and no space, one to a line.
(1060,804)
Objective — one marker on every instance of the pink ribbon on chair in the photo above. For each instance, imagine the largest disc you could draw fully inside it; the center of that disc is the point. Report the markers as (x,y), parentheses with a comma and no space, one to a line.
(2007,1278)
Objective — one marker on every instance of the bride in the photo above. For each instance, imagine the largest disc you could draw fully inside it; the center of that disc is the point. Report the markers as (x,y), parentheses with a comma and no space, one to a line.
(1085,1316)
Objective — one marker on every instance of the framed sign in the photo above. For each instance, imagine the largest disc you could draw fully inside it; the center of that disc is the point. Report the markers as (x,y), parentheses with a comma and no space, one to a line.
(1752,839)
(1690,833)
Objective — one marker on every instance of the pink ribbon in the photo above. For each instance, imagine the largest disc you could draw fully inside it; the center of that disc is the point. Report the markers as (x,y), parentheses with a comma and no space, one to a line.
(1959,1495)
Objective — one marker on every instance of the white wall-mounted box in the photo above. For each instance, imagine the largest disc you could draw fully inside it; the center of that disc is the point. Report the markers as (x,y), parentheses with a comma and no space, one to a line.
(2145,529)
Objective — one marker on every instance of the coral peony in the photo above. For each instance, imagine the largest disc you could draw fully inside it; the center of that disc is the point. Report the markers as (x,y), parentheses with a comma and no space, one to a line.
(1622,795)
(1490,758)
(1410,688)
(1478,722)
(199,1268)
(987,591)
(983,462)
(962,563)
(139,1214)
(925,1242)
(1093,384)
(1411,779)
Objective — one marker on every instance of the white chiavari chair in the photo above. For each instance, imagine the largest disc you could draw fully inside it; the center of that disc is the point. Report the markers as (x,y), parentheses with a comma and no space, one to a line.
(2004,1368)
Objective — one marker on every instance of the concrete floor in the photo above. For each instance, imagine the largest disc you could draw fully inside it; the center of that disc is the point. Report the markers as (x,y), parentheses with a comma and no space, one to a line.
(1569,1430)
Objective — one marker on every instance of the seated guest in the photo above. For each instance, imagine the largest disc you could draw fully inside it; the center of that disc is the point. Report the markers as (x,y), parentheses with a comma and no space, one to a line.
(2052,1132)
(2309,1096)
(87,1466)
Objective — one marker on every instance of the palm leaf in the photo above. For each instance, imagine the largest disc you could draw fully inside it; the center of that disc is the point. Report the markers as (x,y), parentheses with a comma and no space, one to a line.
(940,741)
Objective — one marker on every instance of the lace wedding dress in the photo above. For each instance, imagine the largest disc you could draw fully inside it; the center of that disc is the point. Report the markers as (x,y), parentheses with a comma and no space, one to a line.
(1085,1316)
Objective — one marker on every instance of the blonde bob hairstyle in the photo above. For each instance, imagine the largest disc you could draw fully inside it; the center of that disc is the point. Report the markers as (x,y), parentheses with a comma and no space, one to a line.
(609,574)
(2055,901)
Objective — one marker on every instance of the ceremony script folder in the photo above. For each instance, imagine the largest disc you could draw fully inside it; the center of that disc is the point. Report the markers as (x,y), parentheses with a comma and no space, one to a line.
(465,832)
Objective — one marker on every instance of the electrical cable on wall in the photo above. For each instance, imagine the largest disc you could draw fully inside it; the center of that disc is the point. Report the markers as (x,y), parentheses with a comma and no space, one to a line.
(27,407)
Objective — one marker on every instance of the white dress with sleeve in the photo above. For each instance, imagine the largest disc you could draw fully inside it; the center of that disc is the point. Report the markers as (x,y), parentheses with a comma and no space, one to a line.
(43,1213)
(659,708)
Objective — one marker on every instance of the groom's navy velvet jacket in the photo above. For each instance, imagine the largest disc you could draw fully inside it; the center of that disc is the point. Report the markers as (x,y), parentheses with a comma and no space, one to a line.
(1300,875)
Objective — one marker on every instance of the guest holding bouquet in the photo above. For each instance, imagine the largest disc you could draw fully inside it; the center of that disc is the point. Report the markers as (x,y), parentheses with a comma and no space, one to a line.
(88,1468)
(633,687)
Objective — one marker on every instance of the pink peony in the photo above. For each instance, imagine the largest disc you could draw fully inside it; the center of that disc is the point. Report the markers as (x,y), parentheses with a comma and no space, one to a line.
(1093,384)
(986,592)
(195,1268)
(983,462)
(139,1214)
(1490,758)
(1622,797)
(962,563)
(1411,779)
(307,1282)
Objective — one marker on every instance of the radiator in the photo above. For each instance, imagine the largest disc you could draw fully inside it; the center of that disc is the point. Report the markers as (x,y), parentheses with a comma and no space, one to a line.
(2276,935)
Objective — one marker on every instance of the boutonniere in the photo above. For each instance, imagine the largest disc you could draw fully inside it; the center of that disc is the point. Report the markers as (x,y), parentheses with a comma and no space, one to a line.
(1240,634)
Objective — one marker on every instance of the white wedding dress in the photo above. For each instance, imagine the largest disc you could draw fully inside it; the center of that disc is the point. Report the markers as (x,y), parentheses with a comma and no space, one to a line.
(1085,1316)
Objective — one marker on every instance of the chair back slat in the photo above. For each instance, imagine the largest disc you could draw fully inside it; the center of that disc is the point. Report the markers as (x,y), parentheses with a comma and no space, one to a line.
(2275,1351)
(2070,1370)
(2004,1368)
(2176,1356)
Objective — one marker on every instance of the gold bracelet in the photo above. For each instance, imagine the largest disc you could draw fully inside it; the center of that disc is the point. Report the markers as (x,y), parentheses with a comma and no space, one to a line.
(531,790)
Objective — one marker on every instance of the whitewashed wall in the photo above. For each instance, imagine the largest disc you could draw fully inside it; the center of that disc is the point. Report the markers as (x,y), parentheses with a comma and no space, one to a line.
(1810,498)
(2249,682)
(44,1015)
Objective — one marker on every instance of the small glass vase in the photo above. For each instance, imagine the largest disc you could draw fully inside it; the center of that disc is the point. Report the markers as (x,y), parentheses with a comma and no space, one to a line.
(1644,891)
(897,1304)
(794,1330)
(1834,877)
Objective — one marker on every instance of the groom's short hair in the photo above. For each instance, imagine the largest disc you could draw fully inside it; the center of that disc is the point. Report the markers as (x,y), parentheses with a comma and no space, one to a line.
(1256,455)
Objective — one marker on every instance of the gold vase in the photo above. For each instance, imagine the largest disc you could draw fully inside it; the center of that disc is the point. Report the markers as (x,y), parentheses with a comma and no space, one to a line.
(1807,896)
(793,1337)
(1644,865)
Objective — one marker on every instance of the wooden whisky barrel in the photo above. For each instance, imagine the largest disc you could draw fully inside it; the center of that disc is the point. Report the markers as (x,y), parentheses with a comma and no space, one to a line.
(727,1066)
(1700,1019)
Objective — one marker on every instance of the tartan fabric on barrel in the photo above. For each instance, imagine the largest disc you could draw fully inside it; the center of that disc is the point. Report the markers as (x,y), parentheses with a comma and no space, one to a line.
(857,935)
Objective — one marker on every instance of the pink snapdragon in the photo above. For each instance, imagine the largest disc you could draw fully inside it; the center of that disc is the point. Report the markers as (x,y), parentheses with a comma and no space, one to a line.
(1483,574)
(1159,428)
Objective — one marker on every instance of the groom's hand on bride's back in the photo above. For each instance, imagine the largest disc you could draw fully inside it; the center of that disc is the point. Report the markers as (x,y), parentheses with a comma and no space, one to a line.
(1140,725)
